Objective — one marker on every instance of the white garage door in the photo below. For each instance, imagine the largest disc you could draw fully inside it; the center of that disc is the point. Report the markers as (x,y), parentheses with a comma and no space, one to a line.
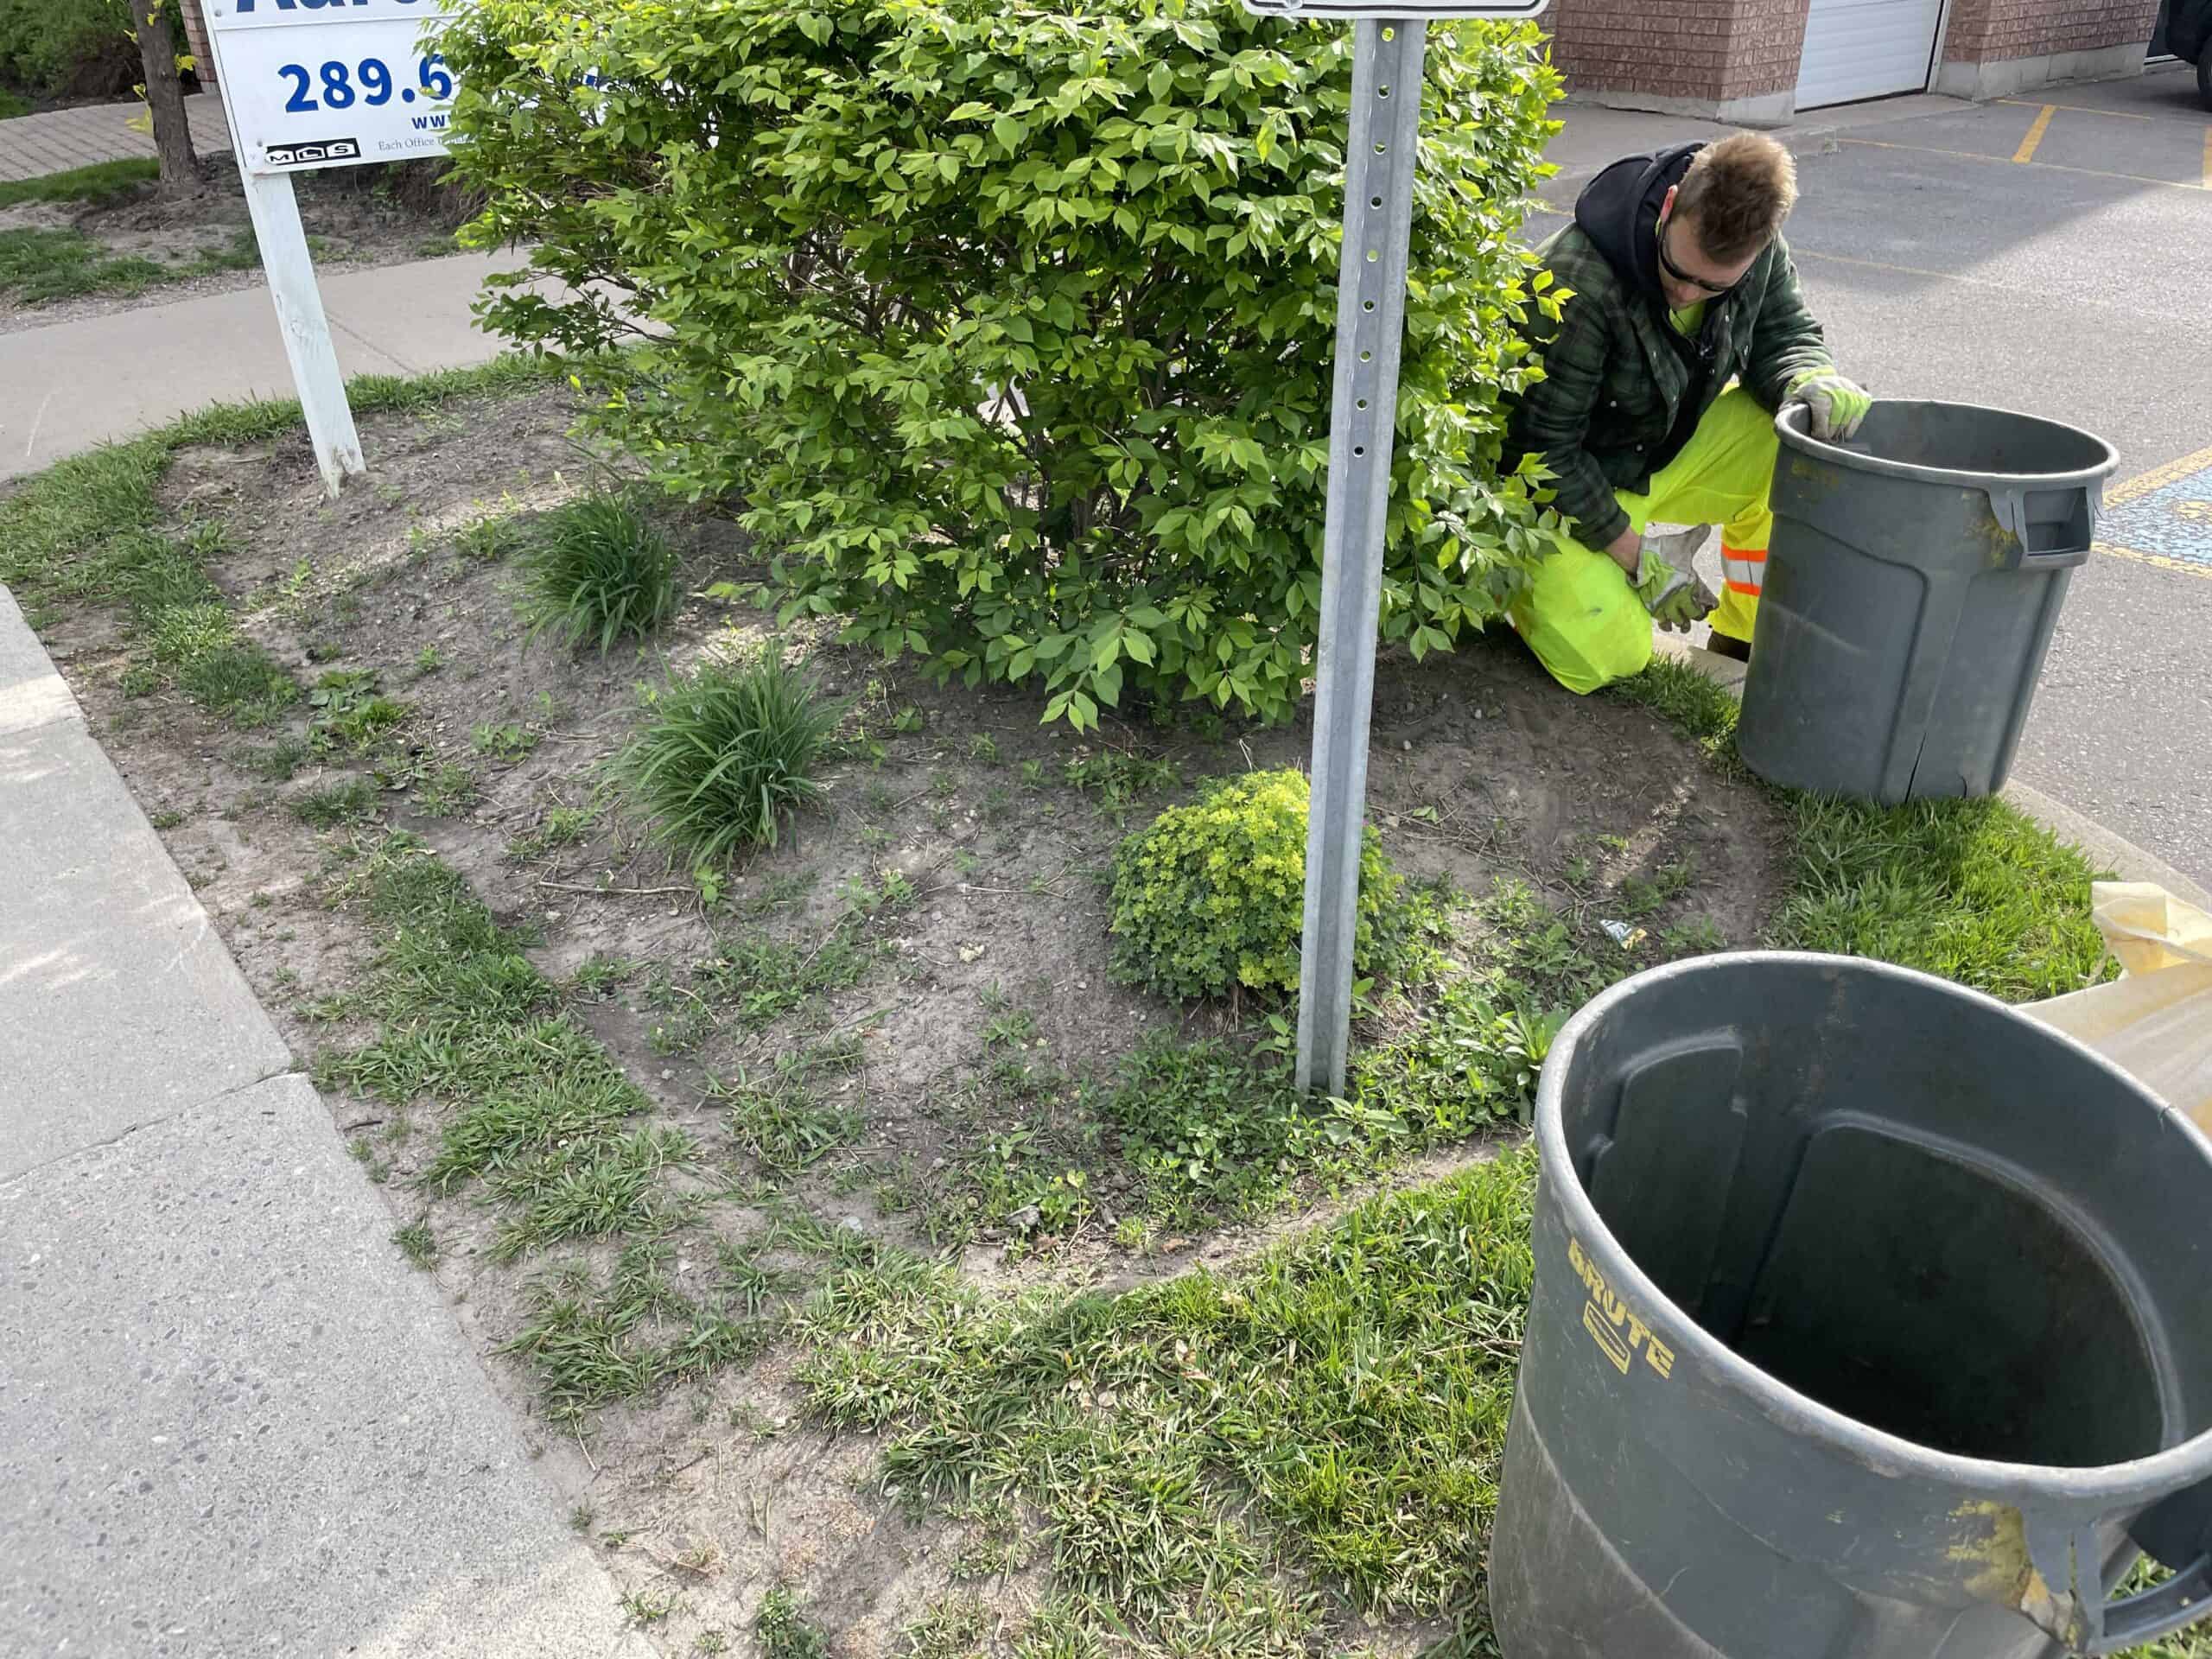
(1865,49)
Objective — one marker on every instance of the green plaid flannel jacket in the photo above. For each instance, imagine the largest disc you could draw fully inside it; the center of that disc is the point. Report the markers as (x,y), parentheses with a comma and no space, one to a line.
(1601,416)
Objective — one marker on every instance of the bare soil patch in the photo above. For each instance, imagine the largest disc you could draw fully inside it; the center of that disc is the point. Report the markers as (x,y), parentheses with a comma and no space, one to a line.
(707,1495)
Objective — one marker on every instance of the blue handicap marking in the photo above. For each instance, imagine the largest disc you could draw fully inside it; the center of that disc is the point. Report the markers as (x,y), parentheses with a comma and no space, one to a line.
(2169,521)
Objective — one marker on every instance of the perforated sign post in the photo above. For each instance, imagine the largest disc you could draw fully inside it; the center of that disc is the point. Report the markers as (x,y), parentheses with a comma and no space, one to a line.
(1386,78)
(311,83)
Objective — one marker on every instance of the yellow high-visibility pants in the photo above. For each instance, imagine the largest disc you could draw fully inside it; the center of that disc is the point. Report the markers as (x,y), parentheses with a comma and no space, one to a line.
(1581,616)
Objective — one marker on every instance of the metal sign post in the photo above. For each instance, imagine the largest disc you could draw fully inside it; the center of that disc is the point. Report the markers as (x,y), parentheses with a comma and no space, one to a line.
(1371,327)
(311,83)
(1387,48)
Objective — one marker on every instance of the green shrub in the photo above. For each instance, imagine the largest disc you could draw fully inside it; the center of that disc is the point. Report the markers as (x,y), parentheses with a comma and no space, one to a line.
(1014,326)
(595,571)
(81,49)
(728,753)
(1213,895)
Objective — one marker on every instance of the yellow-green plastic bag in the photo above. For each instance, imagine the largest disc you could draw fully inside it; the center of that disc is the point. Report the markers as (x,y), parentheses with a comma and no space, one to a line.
(2155,1021)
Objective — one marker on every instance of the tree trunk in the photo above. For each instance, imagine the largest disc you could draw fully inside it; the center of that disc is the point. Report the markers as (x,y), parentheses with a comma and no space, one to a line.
(165,99)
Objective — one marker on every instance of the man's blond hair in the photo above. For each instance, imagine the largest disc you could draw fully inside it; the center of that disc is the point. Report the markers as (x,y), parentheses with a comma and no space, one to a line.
(1739,190)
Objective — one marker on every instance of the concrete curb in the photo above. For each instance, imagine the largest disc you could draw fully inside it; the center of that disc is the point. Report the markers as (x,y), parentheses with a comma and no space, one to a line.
(2106,847)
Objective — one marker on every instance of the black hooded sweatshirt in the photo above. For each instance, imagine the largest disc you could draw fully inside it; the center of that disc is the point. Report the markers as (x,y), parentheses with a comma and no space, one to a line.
(1619,211)
(1623,390)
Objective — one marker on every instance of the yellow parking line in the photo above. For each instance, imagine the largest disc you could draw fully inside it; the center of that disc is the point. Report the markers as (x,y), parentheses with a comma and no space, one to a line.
(2083,109)
(2026,152)
(2159,477)
(1898,271)
(1972,156)
(2179,566)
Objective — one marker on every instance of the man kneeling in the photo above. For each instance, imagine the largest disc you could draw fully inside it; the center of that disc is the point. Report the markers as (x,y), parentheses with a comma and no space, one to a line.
(1684,333)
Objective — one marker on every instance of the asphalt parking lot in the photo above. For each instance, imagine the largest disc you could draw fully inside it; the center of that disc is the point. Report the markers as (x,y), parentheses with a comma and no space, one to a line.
(2053,254)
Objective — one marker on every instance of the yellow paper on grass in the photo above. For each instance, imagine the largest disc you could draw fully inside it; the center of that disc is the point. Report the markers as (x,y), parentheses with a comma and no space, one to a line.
(2155,1022)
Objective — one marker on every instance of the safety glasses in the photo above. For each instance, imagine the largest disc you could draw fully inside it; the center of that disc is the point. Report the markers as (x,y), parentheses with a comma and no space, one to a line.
(1667,264)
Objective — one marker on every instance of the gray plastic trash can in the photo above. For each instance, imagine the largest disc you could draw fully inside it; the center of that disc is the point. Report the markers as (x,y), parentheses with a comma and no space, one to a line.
(1912,586)
(1870,1321)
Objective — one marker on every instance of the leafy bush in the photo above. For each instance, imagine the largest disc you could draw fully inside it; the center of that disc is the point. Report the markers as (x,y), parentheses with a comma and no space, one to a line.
(596,570)
(1213,895)
(1014,325)
(728,754)
(82,49)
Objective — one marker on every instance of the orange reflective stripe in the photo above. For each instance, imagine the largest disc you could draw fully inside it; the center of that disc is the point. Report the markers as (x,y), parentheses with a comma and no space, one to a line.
(1744,587)
(1749,556)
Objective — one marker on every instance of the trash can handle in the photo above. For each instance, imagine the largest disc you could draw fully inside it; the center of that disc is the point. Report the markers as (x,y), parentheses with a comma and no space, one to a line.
(2132,1621)
(2178,1532)
(2069,536)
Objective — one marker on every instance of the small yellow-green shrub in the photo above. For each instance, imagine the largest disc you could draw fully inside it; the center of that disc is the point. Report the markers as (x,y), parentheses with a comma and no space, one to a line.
(1213,895)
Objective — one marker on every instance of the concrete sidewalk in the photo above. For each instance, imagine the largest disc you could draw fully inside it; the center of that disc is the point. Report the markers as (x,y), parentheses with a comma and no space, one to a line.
(75,385)
(231,1418)
(33,145)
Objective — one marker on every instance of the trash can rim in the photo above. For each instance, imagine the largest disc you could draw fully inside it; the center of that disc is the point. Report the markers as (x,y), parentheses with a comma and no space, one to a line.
(2160,1472)
(1789,426)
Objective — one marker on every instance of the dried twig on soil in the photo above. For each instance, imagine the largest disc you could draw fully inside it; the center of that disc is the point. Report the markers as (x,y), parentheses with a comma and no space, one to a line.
(612,893)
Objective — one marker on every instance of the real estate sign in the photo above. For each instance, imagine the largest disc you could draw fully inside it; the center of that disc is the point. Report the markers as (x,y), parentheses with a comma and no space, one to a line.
(330,83)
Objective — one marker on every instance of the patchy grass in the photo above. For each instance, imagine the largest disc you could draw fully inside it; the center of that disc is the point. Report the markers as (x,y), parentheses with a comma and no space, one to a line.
(181,619)
(350,801)
(41,263)
(543,1124)
(417,1243)
(103,182)
(450,791)
(1199,1449)
(350,712)
(538,1111)
(784,1123)
(1975,891)
(785,1631)
(1121,780)
(595,1341)
(727,755)
(762,980)
(595,571)
(1233,1463)
(62,533)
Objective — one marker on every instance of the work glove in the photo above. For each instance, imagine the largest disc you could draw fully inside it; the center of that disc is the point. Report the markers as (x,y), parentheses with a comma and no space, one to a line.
(1676,598)
(1833,405)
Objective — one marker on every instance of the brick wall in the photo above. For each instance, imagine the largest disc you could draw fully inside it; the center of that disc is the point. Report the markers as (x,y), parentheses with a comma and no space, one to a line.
(195,34)
(1986,31)
(1700,50)
(1723,52)
(1769,38)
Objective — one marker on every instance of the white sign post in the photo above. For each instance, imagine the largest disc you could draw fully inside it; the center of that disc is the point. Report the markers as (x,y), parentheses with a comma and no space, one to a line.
(311,84)
(1386,78)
